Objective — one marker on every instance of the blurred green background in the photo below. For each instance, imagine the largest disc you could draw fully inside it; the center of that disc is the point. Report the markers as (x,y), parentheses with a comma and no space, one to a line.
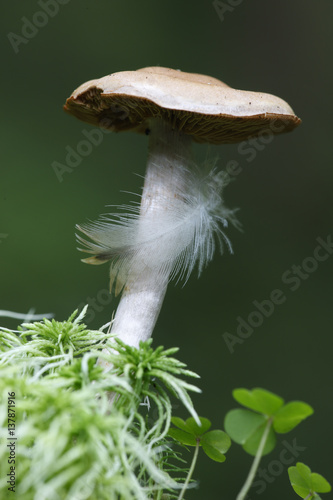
(284,196)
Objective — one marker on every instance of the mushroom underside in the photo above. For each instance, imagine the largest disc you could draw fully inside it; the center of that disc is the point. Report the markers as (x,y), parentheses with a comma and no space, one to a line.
(120,112)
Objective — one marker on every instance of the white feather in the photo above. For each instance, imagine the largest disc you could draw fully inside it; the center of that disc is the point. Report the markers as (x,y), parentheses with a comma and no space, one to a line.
(170,242)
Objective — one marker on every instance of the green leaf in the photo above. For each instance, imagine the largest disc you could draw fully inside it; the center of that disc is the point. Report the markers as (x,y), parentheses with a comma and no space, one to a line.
(189,432)
(215,444)
(242,424)
(183,437)
(319,483)
(191,426)
(305,472)
(213,453)
(252,444)
(306,483)
(196,429)
(179,422)
(258,400)
(246,428)
(299,484)
(290,415)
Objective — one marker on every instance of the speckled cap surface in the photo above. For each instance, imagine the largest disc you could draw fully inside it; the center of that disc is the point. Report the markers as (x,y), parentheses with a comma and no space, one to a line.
(198,105)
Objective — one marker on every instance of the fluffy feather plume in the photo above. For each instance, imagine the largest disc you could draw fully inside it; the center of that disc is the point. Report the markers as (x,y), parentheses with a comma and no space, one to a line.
(170,242)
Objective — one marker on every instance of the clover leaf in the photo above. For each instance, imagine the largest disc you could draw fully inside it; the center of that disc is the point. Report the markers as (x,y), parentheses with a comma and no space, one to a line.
(258,400)
(290,415)
(307,484)
(247,427)
(214,443)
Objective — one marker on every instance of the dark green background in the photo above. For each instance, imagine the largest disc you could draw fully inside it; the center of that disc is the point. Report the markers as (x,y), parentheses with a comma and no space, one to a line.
(284,196)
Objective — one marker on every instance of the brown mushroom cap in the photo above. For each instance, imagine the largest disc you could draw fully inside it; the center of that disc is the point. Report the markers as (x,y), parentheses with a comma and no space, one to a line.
(198,105)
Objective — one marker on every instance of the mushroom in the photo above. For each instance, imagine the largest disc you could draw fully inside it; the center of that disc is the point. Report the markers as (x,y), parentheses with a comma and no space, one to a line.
(181,216)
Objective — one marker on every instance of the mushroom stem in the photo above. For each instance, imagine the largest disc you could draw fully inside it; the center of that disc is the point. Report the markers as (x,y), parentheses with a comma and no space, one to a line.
(143,295)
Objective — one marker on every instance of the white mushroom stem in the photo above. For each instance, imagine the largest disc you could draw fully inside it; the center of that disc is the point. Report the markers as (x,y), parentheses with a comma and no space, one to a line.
(144,292)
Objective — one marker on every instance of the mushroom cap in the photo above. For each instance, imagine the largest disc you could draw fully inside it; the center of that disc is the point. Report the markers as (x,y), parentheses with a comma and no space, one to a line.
(198,105)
